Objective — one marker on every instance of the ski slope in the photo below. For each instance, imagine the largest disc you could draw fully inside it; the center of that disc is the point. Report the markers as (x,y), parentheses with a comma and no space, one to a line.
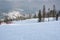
(30,30)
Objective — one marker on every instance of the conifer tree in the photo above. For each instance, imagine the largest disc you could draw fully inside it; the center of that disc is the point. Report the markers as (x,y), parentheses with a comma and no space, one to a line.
(54,11)
(56,17)
(44,12)
(39,16)
(48,13)
(35,16)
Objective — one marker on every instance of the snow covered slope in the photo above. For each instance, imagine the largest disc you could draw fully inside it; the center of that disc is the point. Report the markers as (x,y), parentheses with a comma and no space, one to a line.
(31,31)
(27,21)
(34,20)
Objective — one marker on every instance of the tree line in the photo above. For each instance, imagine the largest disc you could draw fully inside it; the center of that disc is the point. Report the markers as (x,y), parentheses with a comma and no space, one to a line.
(51,13)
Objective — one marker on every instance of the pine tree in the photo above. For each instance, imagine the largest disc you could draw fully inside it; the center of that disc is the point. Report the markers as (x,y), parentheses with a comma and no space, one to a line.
(35,16)
(59,13)
(0,21)
(56,17)
(54,11)
(48,13)
(39,16)
(44,12)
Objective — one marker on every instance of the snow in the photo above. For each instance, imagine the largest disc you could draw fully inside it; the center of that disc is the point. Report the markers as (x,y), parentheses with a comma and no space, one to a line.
(33,20)
(30,29)
(14,14)
(27,21)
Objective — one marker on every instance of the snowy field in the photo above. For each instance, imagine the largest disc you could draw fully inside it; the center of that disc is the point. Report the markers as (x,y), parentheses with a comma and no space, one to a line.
(30,29)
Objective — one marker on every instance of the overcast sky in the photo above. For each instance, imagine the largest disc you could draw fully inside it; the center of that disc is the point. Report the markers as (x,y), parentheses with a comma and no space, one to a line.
(25,4)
